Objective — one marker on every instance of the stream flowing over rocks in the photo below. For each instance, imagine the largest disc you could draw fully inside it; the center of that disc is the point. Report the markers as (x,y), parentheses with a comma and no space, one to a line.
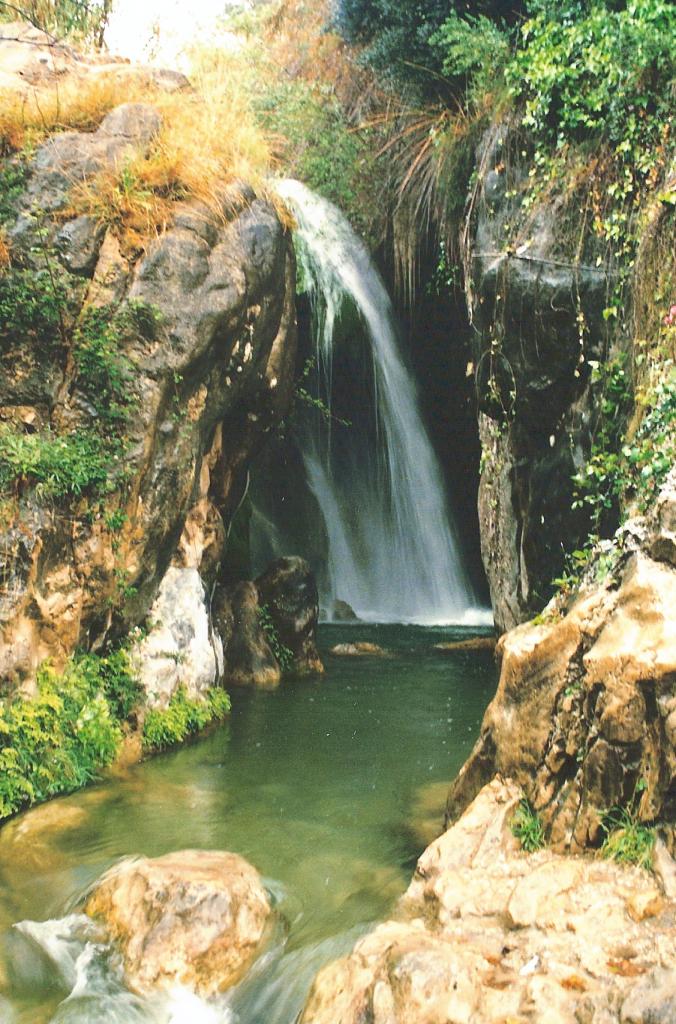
(486,934)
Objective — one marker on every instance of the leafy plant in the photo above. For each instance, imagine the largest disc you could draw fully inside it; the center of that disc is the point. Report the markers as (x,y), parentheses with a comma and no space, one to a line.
(82,19)
(627,839)
(527,827)
(33,304)
(283,654)
(60,466)
(61,739)
(163,728)
(104,373)
(13,175)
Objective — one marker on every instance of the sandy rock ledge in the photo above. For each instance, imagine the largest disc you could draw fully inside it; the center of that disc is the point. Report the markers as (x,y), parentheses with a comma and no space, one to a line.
(486,934)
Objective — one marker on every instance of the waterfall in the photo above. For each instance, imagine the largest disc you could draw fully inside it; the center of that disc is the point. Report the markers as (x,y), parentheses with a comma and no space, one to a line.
(393,554)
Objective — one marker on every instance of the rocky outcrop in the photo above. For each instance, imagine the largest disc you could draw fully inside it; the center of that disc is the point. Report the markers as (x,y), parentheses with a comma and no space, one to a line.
(270,626)
(250,658)
(288,590)
(486,934)
(584,718)
(209,347)
(181,647)
(193,918)
(536,301)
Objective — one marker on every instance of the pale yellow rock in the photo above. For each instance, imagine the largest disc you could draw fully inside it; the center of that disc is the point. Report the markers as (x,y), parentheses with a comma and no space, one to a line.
(486,934)
(196,918)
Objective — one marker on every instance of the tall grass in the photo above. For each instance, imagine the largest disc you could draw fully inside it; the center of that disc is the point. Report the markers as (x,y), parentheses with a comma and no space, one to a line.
(209,147)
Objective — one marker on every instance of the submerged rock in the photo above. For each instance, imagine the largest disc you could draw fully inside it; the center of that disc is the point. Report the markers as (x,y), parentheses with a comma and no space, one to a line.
(288,590)
(475,643)
(358,649)
(486,934)
(195,918)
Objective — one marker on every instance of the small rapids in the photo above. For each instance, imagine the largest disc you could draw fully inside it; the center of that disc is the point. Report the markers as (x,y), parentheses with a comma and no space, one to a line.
(322,785)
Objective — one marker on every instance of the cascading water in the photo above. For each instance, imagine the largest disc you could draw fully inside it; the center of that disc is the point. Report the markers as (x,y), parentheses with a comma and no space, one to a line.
(392,552)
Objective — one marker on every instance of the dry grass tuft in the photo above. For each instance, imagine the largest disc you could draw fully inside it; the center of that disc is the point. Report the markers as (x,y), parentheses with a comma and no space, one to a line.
(77,104)
(210,147)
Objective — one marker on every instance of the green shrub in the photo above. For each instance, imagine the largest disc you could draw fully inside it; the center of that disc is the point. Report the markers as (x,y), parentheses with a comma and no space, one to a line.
(33,304)
(104,373)
(598,72)
(163,728)
(282,653)
(627,840)
(88,460)
(318,144)
(59,465)
(13,175)
(59,740)
(527,827)
(474,52)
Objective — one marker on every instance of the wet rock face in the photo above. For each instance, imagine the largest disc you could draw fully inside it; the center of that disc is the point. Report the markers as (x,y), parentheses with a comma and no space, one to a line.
(488,934)
(269,627)
(537,324)
(288,590)
(584,718)
(250,660)
(208,380)
(195,918)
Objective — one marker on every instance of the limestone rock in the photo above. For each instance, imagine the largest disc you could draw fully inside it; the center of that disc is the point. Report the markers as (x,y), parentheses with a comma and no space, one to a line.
(526,303)
(196,918)
(181,648)
(582,715)
(208,381)
(487,934)
(288,590)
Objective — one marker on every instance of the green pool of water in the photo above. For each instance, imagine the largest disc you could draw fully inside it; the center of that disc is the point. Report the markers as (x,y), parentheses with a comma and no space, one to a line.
(323,785)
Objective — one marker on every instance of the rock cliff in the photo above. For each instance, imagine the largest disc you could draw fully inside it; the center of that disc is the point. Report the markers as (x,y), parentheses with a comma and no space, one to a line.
(159,373)
(583,718)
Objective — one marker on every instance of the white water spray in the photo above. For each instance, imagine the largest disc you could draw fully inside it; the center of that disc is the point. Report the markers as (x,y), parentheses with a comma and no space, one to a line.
(393,554)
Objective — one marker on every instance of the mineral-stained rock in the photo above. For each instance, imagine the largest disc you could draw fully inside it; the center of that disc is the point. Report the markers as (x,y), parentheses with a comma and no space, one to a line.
(207,379)
(581,719)
(197,918)
(288,590)
(538,324)
(486,934)
(249,658)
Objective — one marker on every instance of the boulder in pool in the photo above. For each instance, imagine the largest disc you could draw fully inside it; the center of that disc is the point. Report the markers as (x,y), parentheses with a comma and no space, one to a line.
(288,590)
(359,649)
(196,918)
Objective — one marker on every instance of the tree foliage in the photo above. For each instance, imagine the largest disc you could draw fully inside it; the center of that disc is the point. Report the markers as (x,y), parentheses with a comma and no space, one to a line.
(81,19)
(400,40)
